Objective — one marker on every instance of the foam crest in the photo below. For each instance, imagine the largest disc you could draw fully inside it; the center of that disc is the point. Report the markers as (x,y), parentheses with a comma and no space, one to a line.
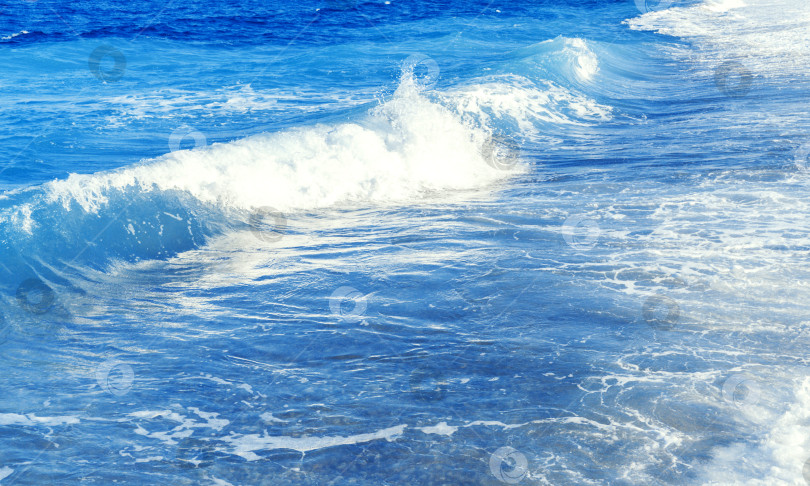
(585,62)
(9,37)
(516,102)
(562,59)
(404,149)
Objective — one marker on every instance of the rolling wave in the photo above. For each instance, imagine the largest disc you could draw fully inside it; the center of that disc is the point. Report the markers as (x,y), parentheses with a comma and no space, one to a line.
(418,146)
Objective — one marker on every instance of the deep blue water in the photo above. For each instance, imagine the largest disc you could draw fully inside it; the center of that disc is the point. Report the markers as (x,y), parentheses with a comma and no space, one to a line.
(356,242)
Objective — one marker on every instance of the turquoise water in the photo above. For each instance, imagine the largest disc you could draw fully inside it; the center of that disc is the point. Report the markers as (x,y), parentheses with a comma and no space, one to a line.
(400,243)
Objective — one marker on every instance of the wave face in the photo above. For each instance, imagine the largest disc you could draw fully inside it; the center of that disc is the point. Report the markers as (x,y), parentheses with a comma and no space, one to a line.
(392,243)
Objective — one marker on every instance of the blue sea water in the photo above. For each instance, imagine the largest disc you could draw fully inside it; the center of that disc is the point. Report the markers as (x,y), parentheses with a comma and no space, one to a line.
(404,242)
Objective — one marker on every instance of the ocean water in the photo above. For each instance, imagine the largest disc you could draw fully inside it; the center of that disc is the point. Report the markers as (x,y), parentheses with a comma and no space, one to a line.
(356,242)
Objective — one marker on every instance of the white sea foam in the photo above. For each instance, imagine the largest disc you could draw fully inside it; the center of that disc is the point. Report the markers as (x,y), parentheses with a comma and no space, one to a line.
(439,429)
(518,101)
(769,37)
(406,148)
(246,445)
(5,472)
(731,251)
(186,425)
(778,459)
(31,419)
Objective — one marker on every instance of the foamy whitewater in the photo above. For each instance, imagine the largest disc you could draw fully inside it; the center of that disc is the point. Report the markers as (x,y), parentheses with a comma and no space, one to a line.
(405,243)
